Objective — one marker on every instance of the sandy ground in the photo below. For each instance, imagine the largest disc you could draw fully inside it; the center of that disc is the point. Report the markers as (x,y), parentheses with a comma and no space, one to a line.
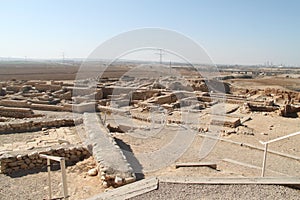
(273,82)
(40,139)
(264,128)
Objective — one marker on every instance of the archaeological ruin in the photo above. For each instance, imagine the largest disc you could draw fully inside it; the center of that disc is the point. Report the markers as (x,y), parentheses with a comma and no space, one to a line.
(119,120)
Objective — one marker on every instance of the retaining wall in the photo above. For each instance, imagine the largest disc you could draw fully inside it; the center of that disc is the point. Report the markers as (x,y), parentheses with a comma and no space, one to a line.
(14,88)
(15,103)
(28,126)
(13,163)
(16,112)
(46,87)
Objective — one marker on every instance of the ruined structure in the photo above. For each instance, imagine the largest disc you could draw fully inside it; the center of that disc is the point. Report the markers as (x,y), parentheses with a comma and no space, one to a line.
(100,110)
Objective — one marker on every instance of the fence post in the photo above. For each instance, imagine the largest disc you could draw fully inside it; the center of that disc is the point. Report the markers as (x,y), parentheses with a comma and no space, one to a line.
(49,177)
(62,162)
(64,177)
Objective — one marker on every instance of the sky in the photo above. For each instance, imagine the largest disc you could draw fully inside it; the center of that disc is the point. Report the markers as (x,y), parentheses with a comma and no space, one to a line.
(231,32)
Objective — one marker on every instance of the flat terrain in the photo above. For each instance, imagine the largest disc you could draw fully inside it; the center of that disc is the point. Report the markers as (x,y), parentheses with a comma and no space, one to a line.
(203,192)
(271,82)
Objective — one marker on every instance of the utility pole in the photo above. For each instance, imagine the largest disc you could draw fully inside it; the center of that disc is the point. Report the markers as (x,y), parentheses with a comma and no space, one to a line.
(160,53)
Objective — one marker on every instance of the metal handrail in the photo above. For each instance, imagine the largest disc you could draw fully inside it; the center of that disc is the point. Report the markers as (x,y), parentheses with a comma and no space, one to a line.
(266,149)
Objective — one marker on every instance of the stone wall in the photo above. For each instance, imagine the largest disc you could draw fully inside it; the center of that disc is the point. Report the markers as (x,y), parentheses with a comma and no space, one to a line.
(261,108)
(218,86)
(107,91)
(16,112)
(35,106)
(225,121)
(34,83)
(12,163)
(15,103)
(13,88)
(47,107)
(66,95)
(82,91)
(28,126)
(284,93)
(109,109)
(142,95)
(169,98)
(2,92)
(204,98)
(113,167)
(289,111)
(46,87)
(84,107)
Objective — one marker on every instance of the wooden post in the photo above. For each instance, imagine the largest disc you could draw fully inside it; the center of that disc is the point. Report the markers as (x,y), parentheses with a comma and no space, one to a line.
(49,177)
(64,178)
(264,160)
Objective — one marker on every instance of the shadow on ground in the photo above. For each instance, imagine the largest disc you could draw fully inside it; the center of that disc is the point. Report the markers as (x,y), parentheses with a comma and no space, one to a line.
(131,159)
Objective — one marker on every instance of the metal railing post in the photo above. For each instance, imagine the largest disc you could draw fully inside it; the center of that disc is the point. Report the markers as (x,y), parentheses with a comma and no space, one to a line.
(264,161)
(64,177)
(266,149)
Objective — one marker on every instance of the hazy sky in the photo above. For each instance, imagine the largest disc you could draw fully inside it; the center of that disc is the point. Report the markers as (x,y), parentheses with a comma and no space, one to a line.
(241,31)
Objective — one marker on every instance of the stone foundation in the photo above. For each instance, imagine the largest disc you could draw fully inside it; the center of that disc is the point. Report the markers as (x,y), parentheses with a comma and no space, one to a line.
(225,121)
(13,163)
(15,103)
(113,167)
(289,110)
(46,87)
(260,108)
(37,125)
(16,112)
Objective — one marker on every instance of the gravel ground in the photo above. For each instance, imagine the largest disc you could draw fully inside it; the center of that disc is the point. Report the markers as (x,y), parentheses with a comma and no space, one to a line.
(193,191)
